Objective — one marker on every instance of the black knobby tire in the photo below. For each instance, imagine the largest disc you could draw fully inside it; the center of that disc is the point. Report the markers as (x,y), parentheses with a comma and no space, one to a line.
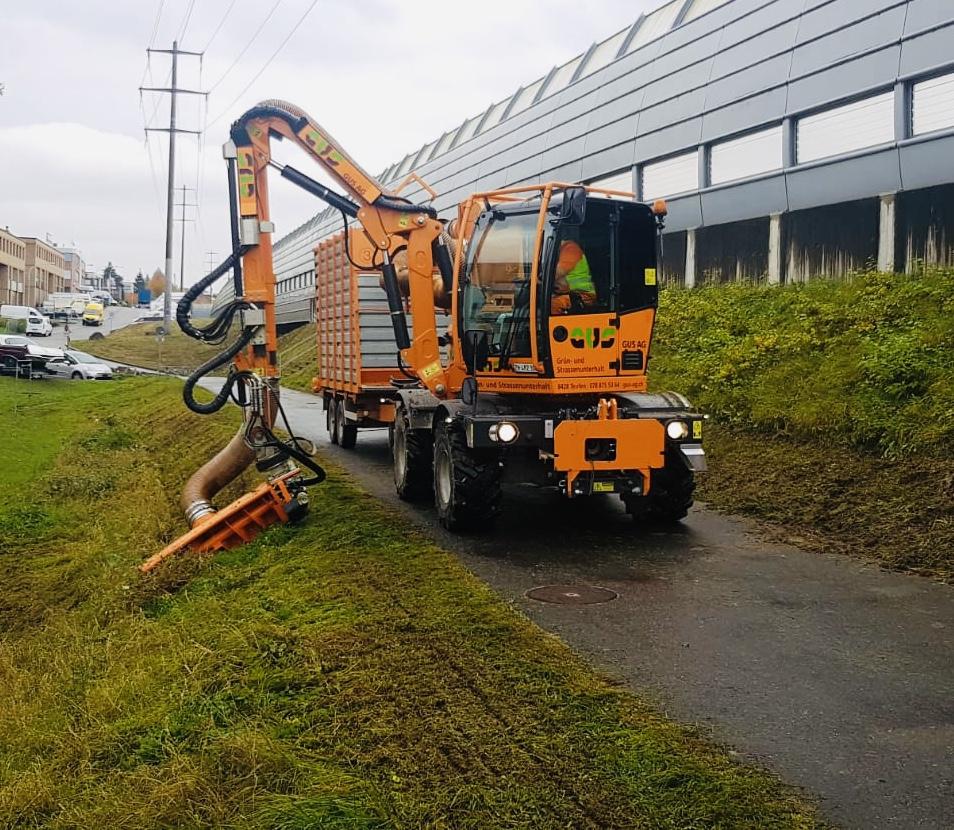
(347,433)
(76,376)
(411,453)
(331,420)
(670,494)
(466,482)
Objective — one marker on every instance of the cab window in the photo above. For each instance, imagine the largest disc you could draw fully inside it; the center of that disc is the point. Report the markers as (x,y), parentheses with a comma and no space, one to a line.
(496,293)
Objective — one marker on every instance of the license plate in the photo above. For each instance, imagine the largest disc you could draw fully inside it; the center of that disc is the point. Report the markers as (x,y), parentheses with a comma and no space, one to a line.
(604,487)
(697,429)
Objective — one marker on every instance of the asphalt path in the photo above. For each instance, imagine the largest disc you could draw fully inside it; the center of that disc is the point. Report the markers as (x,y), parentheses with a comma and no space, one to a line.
(833,673)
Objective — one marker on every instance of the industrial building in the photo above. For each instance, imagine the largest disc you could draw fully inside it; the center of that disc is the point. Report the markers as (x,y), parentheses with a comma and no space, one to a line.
(12,268)
(791,138)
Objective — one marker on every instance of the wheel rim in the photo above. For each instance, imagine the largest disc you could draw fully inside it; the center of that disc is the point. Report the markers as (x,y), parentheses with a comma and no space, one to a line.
(443,477)
(400,459)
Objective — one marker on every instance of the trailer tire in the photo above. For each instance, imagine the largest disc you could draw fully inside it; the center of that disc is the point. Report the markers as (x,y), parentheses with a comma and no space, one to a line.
(411,453)
(466,483)
(331,420)
(670,495)
(347,433)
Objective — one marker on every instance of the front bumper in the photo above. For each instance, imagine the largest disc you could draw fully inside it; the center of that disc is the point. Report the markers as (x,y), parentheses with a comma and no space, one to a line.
(585,457)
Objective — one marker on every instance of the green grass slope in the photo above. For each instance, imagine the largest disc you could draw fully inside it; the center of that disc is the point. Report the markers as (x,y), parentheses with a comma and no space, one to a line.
(138,345)
(341,674)
(833,407)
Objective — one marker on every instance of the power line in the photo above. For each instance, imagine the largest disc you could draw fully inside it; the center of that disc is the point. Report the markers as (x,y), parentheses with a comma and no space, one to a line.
(266,64)
(155,25)
(246,47)
(152,40)
(217,28)
(185,22)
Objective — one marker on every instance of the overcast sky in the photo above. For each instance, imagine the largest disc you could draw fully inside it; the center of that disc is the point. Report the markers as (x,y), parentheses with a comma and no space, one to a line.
(384,77)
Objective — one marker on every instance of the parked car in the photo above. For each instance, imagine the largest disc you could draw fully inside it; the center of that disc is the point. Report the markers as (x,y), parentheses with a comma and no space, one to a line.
(18,362)
(36,323)
(79,366)
(45,352)
(93,314)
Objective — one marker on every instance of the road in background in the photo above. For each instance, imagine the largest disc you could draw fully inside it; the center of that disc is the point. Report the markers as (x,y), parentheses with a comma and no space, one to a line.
(830,671)
(117,317)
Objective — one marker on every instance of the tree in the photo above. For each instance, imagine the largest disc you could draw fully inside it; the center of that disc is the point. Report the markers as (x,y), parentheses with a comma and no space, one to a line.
(157,283)
(139,284)
(112,282)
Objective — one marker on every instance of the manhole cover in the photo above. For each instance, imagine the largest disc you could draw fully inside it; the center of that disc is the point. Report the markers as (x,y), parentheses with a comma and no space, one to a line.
(572,594)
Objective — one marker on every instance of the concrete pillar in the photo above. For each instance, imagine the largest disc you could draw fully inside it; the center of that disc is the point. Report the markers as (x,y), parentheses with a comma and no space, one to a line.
(887,232)
(775,249)
(691,258)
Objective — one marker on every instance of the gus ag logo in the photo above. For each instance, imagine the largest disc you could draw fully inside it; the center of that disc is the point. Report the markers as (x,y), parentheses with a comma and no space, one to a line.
(593,338)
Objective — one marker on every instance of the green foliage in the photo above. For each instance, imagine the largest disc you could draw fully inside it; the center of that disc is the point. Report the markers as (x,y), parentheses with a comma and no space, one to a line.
(12,326)
(866,363)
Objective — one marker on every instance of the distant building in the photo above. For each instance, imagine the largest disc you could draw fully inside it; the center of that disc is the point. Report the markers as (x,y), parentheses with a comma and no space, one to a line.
(12,268)
(74,268)
(45,268)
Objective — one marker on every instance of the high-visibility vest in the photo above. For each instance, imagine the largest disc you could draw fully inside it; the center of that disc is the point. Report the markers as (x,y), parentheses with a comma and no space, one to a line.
(580,279)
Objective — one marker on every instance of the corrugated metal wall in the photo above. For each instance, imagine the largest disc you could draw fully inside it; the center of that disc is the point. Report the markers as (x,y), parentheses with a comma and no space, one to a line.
(726,69)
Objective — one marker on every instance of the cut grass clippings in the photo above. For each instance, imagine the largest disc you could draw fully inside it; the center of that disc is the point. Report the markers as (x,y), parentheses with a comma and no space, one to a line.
(344,673)
(836,500)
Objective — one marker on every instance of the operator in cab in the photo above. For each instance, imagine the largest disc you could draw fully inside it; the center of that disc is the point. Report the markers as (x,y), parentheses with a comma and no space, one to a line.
(573,288)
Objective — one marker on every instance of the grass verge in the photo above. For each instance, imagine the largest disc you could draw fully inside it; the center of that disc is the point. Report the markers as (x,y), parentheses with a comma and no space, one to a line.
(138,345)
(342,674)
(900,513)
(833,405)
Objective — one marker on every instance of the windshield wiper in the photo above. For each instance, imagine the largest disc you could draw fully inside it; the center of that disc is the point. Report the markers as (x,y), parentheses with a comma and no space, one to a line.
(514,320)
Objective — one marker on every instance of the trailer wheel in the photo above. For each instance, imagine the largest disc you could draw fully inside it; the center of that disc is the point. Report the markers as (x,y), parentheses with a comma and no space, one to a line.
(670,495)
(466,483)
(412,450)
(347,435)
(331,420)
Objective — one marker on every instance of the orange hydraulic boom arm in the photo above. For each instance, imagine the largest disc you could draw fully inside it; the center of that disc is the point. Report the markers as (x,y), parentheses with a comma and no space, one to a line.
(389,223)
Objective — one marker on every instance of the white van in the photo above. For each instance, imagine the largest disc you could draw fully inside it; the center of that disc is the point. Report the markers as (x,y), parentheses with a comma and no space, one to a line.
(36,323)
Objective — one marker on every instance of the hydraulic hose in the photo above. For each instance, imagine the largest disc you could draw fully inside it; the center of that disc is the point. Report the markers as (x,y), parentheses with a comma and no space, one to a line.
(222,396)
(184,308)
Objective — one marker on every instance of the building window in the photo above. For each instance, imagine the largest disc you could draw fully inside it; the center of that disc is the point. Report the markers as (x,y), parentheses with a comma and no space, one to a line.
(495,114)
(748,155)
(468,130)
(700,7)
(933,105)
(618,181)
(655,24)
(604,53)
(663,179)
(562,77)
(445,143)
(855,126)
(526,96)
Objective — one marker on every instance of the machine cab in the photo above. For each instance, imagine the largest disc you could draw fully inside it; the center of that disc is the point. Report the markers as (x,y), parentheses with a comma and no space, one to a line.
(560,291)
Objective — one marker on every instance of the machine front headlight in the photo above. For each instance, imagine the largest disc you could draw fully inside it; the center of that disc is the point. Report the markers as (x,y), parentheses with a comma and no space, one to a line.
(505,432)
(677,430)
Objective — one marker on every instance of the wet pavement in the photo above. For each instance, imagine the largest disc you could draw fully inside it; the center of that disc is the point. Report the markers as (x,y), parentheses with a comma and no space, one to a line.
(833,673)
